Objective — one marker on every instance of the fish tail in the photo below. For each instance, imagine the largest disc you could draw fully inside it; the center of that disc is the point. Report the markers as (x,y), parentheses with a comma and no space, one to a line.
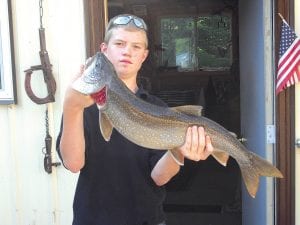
(258,167)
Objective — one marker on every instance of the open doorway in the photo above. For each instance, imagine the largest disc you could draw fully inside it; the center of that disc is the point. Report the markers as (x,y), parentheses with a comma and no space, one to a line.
(194,60)
(254,48)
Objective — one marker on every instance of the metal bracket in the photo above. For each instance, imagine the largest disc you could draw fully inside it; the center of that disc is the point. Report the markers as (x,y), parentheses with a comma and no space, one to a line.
(270,133)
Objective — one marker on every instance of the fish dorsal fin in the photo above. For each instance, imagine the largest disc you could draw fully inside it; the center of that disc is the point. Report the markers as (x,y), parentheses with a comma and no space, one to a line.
(106,127)
(220,156)
(195,110)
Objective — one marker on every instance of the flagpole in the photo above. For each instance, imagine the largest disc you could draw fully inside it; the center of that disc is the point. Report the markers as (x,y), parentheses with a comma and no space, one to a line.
(281,16)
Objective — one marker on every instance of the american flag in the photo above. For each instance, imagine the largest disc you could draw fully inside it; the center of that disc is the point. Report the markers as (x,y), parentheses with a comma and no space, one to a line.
(289,58)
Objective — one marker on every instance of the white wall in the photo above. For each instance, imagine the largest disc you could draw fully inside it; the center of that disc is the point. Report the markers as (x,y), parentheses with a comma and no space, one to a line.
(28,194)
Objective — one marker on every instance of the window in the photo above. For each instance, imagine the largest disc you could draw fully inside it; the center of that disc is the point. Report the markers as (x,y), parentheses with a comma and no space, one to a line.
(7,93)
(196,43)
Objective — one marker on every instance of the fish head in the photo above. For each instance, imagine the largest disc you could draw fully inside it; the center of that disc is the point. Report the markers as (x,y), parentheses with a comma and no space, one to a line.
(96,78)
(96,75)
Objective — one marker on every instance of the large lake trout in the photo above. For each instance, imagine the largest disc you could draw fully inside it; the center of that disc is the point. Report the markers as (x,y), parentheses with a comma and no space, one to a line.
(157,127)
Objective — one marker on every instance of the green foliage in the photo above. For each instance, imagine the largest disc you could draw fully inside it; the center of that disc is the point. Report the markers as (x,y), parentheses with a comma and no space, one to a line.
(210,60)
(206,37)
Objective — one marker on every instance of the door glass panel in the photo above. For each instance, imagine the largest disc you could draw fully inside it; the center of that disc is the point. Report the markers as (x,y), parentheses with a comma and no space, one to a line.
(196,43)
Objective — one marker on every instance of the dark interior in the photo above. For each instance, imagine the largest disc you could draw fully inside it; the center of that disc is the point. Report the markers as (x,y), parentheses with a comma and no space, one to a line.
(205,192)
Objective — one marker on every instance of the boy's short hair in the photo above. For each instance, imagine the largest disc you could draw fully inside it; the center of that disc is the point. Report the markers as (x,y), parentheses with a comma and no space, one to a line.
(128,22)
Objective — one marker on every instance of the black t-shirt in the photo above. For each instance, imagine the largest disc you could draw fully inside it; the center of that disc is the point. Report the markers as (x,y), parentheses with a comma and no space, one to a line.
(115,186)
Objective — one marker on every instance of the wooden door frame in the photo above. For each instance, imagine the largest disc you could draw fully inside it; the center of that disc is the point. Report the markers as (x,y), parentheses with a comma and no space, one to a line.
(96,18)
(285,123)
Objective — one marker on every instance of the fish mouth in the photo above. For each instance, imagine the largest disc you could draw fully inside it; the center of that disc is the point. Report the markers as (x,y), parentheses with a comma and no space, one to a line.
(84,87)
(100,97)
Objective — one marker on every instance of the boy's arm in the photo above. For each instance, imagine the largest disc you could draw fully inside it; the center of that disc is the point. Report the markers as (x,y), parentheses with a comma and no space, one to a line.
(72,142)
(197,147)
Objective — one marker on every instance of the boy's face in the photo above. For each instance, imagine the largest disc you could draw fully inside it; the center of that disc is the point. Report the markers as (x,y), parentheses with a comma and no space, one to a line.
(126,50)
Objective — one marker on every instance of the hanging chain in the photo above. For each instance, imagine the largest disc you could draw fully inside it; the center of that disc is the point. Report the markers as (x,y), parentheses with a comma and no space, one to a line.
(48,137)
(41,13)
(47,149)
(47,123)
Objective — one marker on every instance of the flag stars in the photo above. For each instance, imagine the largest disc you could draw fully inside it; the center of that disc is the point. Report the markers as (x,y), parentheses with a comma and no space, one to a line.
(287,38)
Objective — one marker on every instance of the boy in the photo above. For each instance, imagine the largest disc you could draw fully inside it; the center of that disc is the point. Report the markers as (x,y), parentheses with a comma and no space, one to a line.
(120,183)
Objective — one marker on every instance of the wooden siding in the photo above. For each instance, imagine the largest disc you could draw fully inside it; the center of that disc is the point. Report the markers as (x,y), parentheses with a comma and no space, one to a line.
(28,194)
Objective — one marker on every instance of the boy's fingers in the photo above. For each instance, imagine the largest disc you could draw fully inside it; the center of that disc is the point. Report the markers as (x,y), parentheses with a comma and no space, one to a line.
(201,140)
(209,146)
(195,140)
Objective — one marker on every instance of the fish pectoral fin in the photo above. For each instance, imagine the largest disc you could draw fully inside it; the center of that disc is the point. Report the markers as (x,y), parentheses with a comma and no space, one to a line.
(221,156)
(106,127)
(194,110)
(177,157)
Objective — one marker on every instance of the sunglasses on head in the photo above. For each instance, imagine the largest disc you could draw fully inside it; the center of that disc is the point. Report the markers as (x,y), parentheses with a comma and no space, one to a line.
(126,19)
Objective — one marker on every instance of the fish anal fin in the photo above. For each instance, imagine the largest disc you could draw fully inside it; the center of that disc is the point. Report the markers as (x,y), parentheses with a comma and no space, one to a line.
(195,110)
(221,156)
(106,127)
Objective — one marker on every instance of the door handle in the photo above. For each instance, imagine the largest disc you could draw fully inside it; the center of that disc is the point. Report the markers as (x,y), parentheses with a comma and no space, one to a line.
(243,140)
(298,143)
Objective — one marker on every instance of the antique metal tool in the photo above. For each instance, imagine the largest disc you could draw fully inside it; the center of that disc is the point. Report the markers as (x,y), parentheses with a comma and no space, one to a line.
(47,149)
(46,68)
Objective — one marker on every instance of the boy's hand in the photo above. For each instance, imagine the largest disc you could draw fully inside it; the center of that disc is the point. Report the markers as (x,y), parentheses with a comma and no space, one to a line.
(197,144)
(74,99)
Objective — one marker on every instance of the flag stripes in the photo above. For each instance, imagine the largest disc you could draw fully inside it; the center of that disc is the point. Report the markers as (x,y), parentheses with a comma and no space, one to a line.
(289,62)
